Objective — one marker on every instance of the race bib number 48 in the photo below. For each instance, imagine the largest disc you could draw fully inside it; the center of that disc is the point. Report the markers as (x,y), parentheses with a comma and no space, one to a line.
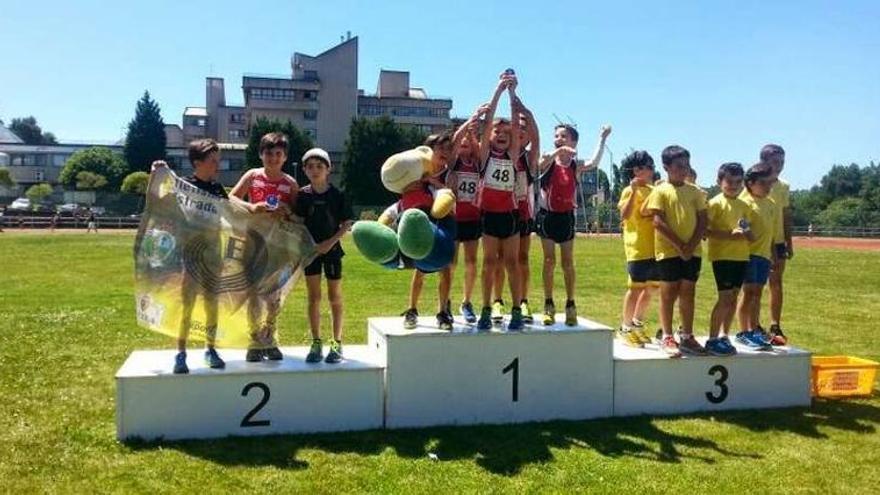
(467,186)
(500,174)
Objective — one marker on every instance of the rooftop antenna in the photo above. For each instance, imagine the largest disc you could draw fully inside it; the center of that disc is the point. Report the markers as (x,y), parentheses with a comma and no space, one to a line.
(558,120)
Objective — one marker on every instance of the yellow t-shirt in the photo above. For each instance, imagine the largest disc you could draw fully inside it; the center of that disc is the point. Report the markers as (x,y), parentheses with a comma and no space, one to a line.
(724,214)
(780,194)
(638,230)
(680,206)
(764,213)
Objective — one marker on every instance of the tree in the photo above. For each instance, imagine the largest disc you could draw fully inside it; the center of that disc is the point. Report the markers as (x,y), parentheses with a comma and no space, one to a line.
(135,183)
(848,212)
(145,141)
(6,179)
(97,160)
(30,132)
(370,142)
(299,142)
(89,181)
(842,181)
(37,192)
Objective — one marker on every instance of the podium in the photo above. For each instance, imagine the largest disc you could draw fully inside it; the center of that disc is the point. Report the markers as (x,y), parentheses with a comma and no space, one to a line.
(271,397)
(430,377)
(436,377)
(647,382)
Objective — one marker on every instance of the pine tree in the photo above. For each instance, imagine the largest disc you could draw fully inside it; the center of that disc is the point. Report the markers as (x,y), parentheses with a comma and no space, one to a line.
(145,141)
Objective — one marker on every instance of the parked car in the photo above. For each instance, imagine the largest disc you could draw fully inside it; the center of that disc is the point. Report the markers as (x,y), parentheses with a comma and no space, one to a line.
(20,204)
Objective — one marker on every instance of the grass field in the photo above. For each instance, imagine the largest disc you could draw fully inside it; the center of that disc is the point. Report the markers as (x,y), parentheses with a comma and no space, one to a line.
(67,323)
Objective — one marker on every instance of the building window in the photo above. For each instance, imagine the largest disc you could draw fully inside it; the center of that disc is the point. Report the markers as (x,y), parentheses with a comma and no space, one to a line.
(310,115)
(236,118)
(237,134)
(310,75)
(310,95)
(312,133)
(235,164)
(58,160)
(371,110)
(39,176)
(272,94)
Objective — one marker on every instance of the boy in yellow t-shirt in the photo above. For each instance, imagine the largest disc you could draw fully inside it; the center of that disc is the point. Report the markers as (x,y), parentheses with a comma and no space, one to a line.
(774,155)
(638,245)
(729,234)
(679,211)
(759,181)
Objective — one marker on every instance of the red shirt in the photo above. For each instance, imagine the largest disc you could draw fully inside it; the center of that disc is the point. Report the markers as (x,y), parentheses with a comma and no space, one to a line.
(283,189)
(420,198)
(559,190)
(497,184)
(466,176)
(523,188)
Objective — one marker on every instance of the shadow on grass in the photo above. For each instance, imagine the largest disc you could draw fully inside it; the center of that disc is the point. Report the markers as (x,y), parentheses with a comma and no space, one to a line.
(506,449)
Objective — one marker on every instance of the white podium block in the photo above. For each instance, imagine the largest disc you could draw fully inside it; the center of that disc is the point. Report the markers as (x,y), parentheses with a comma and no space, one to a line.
(647,382)
(272,397)
(435,377)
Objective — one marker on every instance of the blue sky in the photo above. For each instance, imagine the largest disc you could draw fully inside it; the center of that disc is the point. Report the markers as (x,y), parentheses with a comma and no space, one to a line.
(720,78)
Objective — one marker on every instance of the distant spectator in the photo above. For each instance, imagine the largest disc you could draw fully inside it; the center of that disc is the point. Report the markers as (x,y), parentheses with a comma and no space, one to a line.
(91,223)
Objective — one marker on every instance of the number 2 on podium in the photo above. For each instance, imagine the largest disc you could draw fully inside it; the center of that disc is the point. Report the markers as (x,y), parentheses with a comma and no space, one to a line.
(514,367)
(247,421)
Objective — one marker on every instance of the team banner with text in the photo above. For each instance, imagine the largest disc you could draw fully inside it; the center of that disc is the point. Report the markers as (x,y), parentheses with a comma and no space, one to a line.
(206,268)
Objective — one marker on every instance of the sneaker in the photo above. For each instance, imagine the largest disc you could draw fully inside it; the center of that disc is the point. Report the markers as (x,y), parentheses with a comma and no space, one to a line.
(212,359)
(316,352)
(725,341)
(254,355)
(753,340)
(485,322)
(467,311)
(571,315)
(638,327)
(335,354)
(273,354)
(762,334)
(776,336)
(180,367)
(549,314)
(688,344)
(629,338)
(717,347)
(528,318)
(669,346)
(444,321)
(516,320)
(498,311)
(410,318)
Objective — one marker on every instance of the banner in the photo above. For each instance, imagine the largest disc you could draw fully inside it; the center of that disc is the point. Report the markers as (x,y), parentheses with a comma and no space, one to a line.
(206,268)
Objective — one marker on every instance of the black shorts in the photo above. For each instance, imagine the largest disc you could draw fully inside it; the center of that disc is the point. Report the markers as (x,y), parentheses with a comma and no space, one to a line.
(729,275)
(642,271)
(781,250)
(500,225)
(525,227)
(677,269)
(556,226)
(469,231)
(331,264)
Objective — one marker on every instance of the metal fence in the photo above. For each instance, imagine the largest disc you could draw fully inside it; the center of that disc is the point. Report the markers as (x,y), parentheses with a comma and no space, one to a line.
(45,222)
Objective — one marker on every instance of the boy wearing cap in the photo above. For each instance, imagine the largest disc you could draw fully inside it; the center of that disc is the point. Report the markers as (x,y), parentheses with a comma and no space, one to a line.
(328,216)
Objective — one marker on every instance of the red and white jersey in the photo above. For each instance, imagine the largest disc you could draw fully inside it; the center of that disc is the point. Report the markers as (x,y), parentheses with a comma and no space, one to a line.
(497,184)
(559,188)
(421,198)
(262,188)
(523,188)
(465,177)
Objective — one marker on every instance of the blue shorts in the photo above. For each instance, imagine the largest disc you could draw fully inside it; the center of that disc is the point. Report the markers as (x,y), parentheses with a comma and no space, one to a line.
(758,270)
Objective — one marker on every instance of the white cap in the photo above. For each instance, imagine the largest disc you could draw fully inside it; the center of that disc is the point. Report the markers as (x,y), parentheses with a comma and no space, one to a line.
(317,153)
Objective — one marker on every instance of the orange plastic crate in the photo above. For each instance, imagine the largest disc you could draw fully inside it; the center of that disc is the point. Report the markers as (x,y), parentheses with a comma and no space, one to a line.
(843,376)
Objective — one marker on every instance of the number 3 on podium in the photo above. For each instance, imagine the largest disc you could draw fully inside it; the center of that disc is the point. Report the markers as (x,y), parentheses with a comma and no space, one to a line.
(720,382)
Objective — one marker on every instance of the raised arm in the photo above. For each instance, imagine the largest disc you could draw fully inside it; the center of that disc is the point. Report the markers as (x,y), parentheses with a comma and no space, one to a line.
(533,134)
(594,161)
(488,118)
(515,138)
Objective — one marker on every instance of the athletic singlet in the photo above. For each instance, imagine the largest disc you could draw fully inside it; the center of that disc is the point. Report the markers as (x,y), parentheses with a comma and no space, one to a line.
(559,188)
(523,187)
(497,183)
(467,182)
(420,198)
(281,190)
